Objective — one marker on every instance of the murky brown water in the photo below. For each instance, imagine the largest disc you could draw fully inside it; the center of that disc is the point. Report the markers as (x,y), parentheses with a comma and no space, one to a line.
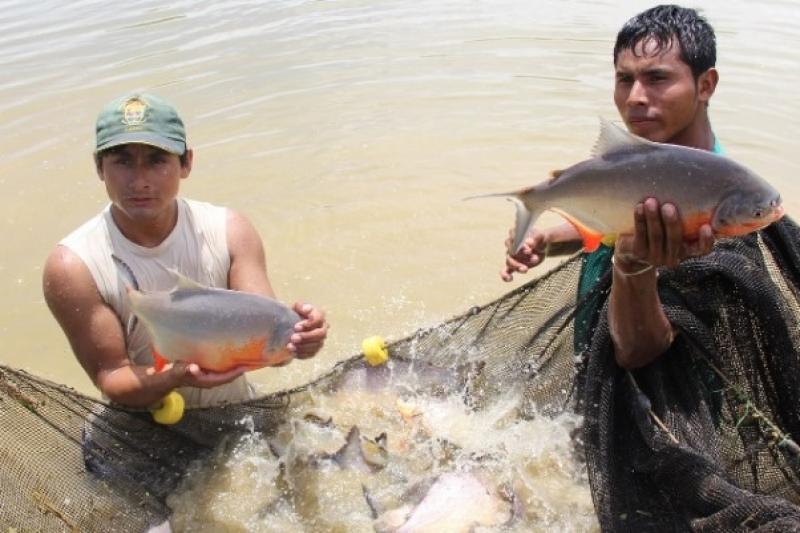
(348,132)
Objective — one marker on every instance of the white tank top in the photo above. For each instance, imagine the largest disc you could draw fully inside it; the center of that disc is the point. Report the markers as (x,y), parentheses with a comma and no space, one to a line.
(197,248)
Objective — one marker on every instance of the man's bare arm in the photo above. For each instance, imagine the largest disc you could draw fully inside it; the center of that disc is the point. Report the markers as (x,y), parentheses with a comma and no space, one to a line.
(248,272)
(639,327)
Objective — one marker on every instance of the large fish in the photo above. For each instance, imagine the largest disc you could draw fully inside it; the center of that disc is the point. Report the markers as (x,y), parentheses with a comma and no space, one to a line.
(598,195)
(456,503)
(218,329)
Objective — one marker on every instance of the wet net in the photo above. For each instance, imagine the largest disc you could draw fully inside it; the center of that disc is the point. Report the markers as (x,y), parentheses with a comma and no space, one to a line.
(703,439)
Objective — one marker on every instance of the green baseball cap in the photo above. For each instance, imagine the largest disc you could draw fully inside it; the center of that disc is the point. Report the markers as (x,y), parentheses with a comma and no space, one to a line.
(140,118)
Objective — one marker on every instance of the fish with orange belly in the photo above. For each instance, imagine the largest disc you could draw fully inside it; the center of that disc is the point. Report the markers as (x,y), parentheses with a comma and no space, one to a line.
(218,329)
(598,195)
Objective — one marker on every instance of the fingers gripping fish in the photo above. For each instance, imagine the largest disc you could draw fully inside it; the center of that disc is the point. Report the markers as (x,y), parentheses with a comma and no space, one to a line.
(218,329)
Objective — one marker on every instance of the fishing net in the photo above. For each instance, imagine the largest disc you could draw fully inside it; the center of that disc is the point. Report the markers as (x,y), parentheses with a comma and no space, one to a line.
(703,439)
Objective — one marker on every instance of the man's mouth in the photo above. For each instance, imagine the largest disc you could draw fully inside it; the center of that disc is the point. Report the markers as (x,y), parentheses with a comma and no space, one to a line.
(140,200)
(641,120)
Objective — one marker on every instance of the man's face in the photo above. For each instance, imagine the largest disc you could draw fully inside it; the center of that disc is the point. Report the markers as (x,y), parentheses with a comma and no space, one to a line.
(656,93)
(142,181)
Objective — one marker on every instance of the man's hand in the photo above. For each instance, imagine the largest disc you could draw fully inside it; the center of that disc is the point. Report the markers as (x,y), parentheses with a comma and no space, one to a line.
(657,239)
(191,375)
(529,255)
(310,333)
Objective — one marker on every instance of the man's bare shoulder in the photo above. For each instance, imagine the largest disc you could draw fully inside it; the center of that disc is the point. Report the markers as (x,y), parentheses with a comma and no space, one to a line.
(242,235)
(66,276)
(248,271)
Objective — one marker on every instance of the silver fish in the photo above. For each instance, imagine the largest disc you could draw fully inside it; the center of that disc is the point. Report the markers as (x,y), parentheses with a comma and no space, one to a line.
(218,329)
(598,195)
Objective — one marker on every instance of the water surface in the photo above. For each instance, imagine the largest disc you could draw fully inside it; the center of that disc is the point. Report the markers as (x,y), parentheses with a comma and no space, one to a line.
(348,131)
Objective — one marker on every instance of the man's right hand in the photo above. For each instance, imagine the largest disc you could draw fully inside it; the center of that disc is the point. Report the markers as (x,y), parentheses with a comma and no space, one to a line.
(528,256)
(191,375)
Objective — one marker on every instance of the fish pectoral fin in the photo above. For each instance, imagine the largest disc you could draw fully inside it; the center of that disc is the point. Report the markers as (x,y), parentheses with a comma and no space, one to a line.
(591,238)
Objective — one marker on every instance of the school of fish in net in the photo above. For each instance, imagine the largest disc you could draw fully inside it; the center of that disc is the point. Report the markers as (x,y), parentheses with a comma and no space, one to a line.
(394,448)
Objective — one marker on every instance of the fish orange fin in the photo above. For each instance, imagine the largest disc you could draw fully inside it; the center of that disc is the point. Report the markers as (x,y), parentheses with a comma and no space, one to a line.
(159,361)
(591,238)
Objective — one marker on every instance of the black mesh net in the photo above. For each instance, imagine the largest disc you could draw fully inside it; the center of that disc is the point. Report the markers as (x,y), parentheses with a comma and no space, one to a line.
(703,439)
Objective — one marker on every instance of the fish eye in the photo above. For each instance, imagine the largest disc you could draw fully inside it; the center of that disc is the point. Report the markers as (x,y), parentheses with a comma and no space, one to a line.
(758,213)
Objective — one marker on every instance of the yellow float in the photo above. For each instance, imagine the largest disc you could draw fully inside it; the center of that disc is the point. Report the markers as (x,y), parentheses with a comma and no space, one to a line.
(170,410)
(375,350)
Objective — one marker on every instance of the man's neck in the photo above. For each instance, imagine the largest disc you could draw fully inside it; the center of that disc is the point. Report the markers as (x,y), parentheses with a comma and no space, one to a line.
(697,135)
(148,233)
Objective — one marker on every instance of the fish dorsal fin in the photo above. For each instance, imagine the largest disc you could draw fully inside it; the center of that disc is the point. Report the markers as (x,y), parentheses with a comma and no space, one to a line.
(613,138)
(184,282)
(554,175)
(181,280)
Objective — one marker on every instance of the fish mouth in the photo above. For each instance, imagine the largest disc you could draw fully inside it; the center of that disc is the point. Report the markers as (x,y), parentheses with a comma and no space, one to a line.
(777,213)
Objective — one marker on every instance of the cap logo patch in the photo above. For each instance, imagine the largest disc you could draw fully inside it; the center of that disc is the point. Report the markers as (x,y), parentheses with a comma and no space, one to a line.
(133,112)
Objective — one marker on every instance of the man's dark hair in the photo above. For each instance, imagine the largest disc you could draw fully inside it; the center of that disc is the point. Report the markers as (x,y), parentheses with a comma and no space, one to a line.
(98,157)
(667,24)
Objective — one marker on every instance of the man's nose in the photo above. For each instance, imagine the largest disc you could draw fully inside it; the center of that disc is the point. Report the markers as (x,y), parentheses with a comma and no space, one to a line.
(139,177)
(638,94)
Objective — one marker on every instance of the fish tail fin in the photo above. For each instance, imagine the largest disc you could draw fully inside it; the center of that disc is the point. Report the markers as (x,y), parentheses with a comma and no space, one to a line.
(528,211)
(490,195)
(131,284)
(126,273)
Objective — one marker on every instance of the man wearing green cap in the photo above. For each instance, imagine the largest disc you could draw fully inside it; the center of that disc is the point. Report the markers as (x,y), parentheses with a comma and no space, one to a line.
(141,156)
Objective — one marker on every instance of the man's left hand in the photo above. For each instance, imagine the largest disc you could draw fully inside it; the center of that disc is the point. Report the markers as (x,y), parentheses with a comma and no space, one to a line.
(309,334)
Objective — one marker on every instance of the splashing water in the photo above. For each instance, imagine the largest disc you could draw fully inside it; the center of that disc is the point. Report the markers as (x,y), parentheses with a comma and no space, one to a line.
(380,451)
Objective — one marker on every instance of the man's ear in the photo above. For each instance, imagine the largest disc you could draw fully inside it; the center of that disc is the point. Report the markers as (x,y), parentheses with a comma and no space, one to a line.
(98,165)
(707,84)
(186,164)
